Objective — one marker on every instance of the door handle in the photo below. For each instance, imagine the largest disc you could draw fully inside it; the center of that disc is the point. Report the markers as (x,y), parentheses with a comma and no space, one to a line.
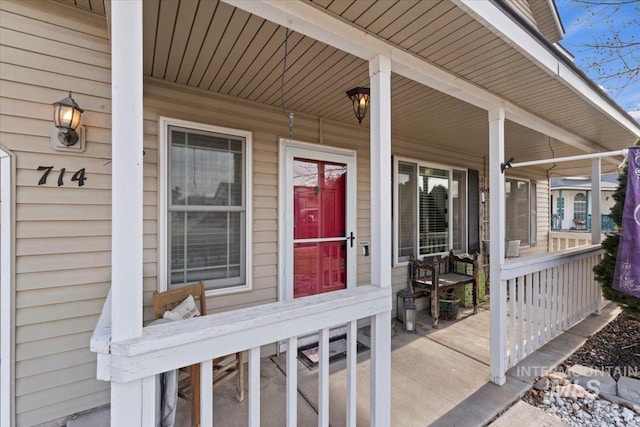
(351,238)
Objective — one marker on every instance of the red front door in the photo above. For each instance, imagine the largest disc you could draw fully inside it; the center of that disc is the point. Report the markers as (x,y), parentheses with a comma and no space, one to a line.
(319,244)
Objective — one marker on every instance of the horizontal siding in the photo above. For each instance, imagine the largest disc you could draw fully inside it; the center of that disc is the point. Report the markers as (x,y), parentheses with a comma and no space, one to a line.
(62,232)
(523,8)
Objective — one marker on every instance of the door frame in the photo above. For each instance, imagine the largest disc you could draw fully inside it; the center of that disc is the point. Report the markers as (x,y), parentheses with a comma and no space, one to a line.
(288,150)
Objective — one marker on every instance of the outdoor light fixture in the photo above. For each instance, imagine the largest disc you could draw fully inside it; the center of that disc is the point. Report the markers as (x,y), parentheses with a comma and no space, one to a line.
(360,98)
(406,308)
(66,116)
(507,164)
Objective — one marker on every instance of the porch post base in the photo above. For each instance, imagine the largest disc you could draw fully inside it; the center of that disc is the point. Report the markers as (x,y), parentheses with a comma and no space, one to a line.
(498,380)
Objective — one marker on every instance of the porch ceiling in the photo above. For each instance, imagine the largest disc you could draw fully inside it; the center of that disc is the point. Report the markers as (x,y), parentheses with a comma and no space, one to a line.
(216,47)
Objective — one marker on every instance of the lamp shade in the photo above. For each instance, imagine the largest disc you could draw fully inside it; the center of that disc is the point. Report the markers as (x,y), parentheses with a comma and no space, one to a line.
(67,113)
(360,98)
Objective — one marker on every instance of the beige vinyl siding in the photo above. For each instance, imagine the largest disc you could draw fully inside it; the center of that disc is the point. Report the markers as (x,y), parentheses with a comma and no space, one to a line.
(62,233)
(542,224)
(523,8)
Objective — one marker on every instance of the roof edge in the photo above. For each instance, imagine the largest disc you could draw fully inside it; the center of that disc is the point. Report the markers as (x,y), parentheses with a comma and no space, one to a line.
(522,23)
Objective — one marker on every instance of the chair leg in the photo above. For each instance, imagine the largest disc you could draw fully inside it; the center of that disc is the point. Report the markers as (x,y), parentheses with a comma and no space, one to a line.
(240,375)
(195,395)
(435,309)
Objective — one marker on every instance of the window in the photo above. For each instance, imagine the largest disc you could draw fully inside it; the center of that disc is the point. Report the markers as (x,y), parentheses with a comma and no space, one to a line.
(205,210)
(520,211)
(580,208)
(431,209)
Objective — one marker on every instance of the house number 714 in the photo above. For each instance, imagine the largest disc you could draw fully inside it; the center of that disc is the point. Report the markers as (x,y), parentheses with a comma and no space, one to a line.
(78,176)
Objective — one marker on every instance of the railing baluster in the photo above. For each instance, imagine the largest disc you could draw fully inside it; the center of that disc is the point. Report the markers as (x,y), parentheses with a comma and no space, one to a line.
(254,387)
(521,319)
(528,282)
(206,393)
(292,382)
(512,322)
(567,287)
(352,358)
(554,303)
(323,378)
(536,308)
(544,285)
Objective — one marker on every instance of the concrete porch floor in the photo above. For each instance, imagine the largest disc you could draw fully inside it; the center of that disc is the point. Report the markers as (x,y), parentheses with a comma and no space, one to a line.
(439,378)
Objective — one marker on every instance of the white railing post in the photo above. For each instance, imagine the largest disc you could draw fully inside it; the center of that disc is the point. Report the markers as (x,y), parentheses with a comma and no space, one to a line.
(380,103)
(498,288)
(596,194)
(126,178)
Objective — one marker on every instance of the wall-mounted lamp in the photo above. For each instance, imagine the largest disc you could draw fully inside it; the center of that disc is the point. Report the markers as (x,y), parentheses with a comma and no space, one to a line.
(360,98)
(507,164)
(66,116)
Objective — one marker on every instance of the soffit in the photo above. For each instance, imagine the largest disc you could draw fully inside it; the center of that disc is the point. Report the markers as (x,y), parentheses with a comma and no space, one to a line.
(216,47)
(96,6)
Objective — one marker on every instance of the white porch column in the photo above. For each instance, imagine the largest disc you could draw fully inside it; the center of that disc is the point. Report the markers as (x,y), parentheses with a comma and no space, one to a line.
(380,105)
(498,289)
(596,193)
(126,146)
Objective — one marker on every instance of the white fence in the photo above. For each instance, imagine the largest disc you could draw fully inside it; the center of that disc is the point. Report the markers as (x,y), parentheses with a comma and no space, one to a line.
(546,295)
(173,345)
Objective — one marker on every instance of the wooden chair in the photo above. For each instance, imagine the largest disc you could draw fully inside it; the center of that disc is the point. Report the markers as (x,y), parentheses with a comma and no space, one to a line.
(224,368)
(439,274)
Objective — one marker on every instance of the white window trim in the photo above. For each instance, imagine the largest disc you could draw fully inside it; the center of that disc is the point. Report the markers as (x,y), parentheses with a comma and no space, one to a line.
(532,237)
(419,163)
(7,289)
(163,162)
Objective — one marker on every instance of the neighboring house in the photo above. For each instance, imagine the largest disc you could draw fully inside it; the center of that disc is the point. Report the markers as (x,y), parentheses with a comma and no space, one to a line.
(571,202)
(187,170)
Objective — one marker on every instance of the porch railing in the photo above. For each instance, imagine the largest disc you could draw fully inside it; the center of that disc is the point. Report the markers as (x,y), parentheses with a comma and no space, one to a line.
(546,295)
(170,346)
(561,240)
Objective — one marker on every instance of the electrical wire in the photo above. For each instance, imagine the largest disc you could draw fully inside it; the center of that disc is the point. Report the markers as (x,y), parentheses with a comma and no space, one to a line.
(289,114)
(553,156)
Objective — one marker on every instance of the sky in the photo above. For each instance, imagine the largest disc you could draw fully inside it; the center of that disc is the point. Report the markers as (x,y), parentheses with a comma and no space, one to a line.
(581,27)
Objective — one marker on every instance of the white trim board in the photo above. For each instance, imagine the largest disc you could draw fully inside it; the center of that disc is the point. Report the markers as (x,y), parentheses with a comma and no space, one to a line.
(7,294)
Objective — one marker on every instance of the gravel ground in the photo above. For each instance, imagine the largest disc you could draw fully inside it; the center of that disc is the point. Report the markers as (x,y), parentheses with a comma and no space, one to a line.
(616,349)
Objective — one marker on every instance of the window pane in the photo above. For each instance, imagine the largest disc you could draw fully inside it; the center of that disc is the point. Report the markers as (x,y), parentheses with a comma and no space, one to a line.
(433,210)
(580,207)
(459,214)
(205,246)
(206,169)
(517,210)
(319,199)
(406,210)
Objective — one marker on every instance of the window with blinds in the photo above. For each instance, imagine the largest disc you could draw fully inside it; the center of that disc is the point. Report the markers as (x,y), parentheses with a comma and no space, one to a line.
(206,206)
(431,209)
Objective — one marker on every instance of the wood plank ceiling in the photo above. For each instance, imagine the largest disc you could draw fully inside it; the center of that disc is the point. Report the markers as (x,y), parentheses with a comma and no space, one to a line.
(212,46)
